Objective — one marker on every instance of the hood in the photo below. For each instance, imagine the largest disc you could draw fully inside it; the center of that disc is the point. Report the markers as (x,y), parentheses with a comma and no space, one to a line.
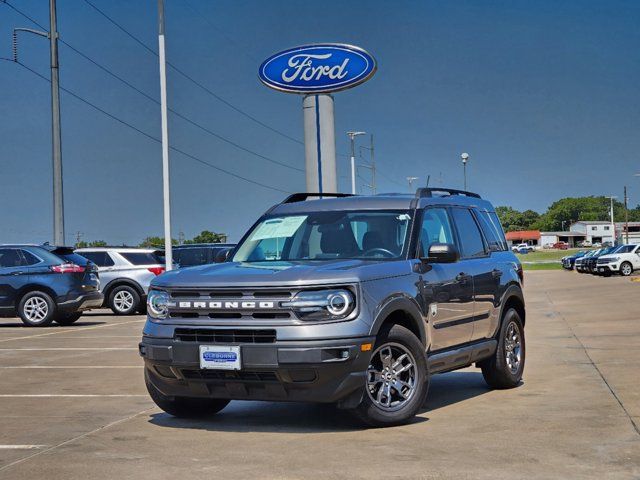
(258,274)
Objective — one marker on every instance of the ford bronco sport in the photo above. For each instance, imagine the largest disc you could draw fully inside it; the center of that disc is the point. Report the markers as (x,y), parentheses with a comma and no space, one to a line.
(353,300)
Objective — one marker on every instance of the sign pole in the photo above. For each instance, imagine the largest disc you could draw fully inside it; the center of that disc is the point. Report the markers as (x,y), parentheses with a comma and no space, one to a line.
(320,143)
(166,198)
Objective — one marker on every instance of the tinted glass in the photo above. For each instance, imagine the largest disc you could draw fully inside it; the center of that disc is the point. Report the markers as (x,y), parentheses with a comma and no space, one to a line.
(327,235)
(102,259)
(142,258)
(471,244)
(73,258)
(30,258)
(492,231)
(10,257)
(188,257)
(436,228)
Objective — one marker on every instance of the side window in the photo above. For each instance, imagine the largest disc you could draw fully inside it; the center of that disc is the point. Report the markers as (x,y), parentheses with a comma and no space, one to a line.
(9,257)
(101,259)
(495,221)
(471,243)
(436,228)
(29,258)
(491,232)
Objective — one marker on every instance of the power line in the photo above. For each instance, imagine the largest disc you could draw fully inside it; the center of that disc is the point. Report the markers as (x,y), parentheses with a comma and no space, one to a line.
(193,80)
(149,136)
(152,99)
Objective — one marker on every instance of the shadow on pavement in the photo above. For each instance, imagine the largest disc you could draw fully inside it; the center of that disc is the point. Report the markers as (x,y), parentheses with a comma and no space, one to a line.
(244,416)
(18,323)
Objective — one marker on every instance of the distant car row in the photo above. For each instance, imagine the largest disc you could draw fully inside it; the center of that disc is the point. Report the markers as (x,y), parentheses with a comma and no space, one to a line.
(43,284)
(524,248)
(622,259)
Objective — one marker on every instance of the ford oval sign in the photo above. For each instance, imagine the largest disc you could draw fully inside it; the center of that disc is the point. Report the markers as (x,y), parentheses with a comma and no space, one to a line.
(319,68)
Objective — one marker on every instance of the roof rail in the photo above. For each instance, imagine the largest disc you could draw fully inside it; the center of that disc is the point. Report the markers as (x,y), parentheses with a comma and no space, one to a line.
(428,192)
(302,196)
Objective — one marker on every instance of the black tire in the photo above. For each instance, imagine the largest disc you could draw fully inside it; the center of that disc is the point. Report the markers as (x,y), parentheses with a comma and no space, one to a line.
(372,414)
(66,319)
(34,304)
(628,270)
(117,302)
(496,370)
(184,407)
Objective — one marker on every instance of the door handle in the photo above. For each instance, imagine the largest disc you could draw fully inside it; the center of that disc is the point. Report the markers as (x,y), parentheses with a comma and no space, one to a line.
(17,273)
(495,273)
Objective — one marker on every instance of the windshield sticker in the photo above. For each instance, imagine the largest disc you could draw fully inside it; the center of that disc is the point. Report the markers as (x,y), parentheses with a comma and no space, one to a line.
(278,228)
(403,217)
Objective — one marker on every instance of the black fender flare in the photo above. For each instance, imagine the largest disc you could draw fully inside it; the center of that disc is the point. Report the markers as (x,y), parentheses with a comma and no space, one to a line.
(409,306)
(513,290)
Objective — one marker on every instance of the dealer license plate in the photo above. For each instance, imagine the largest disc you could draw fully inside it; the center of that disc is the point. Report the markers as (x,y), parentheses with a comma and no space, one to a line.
(220,357)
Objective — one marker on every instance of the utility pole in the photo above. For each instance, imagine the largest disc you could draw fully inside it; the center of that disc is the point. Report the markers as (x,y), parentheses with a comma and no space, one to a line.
(626,216)
(352,136)
(613,225)
(166,198)
(465,159)
(78,237)
(58,199)
(371,166)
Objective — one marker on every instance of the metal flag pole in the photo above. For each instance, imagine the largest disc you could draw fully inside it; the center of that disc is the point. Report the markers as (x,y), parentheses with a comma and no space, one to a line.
(166,198)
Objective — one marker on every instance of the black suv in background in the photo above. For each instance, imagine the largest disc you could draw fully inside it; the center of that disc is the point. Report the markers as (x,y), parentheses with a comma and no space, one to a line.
(199,253)
(45,283)
(354,300)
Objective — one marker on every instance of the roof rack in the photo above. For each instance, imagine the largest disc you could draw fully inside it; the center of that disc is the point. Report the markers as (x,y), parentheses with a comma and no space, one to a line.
(428,192)
(302,196)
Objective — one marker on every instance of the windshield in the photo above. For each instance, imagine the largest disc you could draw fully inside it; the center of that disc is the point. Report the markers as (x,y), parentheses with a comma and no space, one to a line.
(327,235)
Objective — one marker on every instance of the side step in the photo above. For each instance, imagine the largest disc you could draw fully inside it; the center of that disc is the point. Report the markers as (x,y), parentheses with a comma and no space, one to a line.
(461,357)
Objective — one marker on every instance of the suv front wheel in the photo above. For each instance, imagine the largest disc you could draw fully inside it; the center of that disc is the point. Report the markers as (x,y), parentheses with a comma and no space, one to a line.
(504,369)
(397,379)
(124,300)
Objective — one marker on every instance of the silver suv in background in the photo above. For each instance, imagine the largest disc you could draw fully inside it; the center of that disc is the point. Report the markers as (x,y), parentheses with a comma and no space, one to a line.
(125,275)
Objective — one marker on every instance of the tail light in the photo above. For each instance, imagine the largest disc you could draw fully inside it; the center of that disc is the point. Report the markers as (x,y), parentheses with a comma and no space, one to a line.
(68,268)
(156,270)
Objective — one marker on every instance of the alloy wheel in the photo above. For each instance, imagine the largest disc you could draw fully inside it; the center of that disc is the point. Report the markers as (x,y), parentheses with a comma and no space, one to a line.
(391,377)
(513,347)
(626,269)
(123,300)
(36,309)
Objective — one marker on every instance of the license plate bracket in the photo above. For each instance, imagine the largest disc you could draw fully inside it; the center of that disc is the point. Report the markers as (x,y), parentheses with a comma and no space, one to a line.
(220,357)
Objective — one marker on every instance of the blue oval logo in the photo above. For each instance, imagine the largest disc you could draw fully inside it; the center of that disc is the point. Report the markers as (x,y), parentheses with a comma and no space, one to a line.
(320,68)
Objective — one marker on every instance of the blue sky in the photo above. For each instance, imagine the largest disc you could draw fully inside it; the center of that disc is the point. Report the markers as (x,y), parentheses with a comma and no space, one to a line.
(543,95)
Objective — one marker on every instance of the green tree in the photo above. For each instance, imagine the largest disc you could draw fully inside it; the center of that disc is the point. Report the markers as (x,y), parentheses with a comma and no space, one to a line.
(155,242)
(208,237)
(94,243)
(514,220)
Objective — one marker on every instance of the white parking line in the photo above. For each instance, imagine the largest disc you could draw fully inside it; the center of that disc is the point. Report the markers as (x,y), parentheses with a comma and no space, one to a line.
(65,349)
(69,395)
(70,366)
(71,330)
(22,447)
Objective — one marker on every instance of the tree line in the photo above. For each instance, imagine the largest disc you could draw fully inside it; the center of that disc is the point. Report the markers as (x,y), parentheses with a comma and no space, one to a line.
(205,236)
(562,213)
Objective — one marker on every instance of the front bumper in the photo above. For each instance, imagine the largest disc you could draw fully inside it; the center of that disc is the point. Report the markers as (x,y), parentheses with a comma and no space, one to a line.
(608,268)
(84,301)
(326,371)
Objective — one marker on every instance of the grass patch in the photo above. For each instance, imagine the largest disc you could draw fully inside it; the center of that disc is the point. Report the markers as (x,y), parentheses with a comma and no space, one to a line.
(545,259)
(541,266)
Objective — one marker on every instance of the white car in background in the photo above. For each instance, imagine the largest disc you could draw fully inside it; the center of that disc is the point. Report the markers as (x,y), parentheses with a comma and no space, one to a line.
(624,260)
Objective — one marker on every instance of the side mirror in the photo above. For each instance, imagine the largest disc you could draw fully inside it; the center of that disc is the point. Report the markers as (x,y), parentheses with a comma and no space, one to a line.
(443,253)
(223,255)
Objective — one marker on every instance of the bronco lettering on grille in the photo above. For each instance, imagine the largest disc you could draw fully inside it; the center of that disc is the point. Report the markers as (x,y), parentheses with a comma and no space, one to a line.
(227,305)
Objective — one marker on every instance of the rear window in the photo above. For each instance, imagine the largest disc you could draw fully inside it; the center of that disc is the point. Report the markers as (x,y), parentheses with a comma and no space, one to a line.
(143,258)
(188,257)
(101,259)
(72,258)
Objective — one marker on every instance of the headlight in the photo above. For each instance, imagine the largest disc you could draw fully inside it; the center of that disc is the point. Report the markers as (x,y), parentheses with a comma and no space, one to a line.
(319,305)
(157,304)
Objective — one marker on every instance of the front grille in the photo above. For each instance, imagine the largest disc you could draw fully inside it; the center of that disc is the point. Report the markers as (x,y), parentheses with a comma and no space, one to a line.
(210,335)
(225,375)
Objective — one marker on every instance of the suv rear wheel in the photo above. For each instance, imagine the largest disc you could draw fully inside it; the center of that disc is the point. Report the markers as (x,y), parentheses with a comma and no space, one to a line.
(124,300)
(397,379)
(65,319)
(504,369)
(37,309)
(184,407)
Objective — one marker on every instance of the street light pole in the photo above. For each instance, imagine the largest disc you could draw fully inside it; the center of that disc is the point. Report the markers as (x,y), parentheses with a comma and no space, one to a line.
(411,180)
(465,159)
(613,225)
(626,215)
(56,143)
(166,198)
(352,136)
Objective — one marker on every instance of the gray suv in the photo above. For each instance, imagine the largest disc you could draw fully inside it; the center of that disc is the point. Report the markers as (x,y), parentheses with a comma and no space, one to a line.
(352,300)
(125,275)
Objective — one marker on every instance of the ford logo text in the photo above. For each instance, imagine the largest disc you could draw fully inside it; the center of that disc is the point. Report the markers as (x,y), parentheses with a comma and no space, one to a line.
(317,68)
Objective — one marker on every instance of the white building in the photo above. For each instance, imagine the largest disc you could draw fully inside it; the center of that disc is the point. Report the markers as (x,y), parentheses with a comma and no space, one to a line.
(596,231)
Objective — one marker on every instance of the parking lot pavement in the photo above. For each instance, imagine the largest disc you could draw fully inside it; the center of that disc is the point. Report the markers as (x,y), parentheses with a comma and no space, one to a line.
(73,405)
